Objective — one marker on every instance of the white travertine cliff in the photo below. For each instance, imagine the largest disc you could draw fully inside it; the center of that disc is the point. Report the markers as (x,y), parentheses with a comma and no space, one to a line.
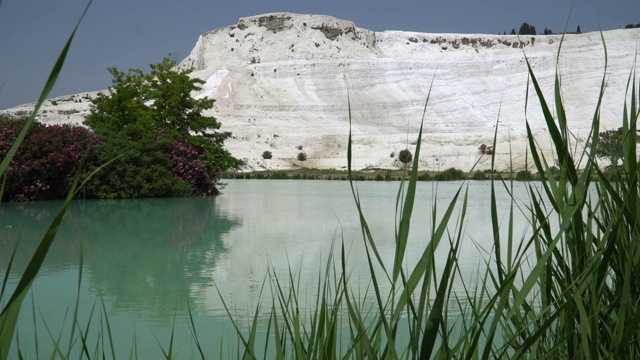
(283,80)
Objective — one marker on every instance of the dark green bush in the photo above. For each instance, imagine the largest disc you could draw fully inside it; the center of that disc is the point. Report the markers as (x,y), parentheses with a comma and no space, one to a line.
(279,175)
(302,156)
(424,177)
(450,174)
(405,156)
(479,175)
(267,155)
(524,175)
(142,170)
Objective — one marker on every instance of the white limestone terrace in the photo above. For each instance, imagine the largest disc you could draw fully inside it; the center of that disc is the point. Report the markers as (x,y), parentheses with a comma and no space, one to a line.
(284,80)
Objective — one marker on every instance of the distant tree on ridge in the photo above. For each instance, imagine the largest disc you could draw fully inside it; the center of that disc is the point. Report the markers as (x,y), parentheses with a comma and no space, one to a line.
(526,29)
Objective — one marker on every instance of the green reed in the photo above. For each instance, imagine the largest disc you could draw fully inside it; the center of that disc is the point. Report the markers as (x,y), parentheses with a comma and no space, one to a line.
(570,289)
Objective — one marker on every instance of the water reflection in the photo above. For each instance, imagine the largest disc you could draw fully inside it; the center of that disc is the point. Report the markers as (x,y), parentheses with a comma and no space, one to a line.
(146,258)
(139,255)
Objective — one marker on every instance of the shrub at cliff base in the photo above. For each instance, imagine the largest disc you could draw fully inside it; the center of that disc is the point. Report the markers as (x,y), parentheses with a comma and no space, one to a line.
(450,174)
(44,166)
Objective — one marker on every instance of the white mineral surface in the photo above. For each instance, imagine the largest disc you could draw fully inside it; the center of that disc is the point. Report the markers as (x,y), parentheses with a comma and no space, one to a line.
(285,80)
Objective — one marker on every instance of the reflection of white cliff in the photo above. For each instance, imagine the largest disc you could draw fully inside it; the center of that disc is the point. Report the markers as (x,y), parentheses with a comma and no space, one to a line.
(281,80)
(294,224)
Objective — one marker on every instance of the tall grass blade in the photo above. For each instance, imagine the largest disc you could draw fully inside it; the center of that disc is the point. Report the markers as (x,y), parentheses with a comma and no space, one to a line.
(405,218)
(8,270)
(194,333)
(9,314)
(53,77)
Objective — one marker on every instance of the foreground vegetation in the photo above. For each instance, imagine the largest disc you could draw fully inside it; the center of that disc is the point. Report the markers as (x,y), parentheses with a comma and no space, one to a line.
(577,298)
(570,290)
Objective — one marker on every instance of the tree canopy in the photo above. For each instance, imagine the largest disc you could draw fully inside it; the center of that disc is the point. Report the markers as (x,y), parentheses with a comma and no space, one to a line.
(163,132)
(526,29)
(143,105)
(609,146)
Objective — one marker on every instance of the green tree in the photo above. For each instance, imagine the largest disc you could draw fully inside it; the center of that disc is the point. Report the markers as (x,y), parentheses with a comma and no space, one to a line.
(609,146)
(142,105)
(162,142)
(526,29)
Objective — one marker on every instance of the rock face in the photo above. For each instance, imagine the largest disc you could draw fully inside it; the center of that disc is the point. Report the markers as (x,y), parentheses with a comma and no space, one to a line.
(283,83)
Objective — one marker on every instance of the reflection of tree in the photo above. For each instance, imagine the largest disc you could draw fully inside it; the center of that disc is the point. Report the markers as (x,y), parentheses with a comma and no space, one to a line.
(27,223)
(142,254)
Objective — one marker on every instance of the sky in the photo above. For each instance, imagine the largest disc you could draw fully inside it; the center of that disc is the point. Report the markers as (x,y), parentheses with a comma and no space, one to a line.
(135,33)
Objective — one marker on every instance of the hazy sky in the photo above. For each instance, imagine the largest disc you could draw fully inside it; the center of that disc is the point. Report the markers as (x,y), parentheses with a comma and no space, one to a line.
(135,33)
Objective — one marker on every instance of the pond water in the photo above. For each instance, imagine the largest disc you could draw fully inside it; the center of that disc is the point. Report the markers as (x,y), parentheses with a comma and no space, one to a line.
(145,259)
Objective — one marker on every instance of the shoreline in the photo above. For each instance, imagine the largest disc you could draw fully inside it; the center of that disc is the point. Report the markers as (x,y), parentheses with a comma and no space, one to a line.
(378,175)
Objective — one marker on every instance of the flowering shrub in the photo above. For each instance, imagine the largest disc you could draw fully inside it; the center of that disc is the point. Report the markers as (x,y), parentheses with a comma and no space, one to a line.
(188,163)
(45,164)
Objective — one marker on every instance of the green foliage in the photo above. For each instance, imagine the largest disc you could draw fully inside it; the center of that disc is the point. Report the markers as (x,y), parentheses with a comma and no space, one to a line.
(524,175)
(302,156)
(142,170)
(479,175)
(44,166)
(526,29)
(450,174)
(142,105)
(568,289)
(267,155)
(405,156)
(163,131)
(425,177)
(609,146)
(11,307)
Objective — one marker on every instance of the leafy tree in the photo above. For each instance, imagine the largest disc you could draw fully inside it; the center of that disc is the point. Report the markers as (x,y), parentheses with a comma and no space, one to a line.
(578,30)
(169,145)
(141,105)
(526,29)
(609,146)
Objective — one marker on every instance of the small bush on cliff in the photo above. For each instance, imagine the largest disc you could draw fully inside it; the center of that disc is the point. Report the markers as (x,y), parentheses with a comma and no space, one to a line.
(44,166)
(267,155)
(405,156)
(302,156)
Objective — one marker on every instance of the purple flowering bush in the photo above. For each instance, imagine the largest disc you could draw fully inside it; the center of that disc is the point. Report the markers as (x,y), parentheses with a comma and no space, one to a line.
(45,164)
(189,165)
